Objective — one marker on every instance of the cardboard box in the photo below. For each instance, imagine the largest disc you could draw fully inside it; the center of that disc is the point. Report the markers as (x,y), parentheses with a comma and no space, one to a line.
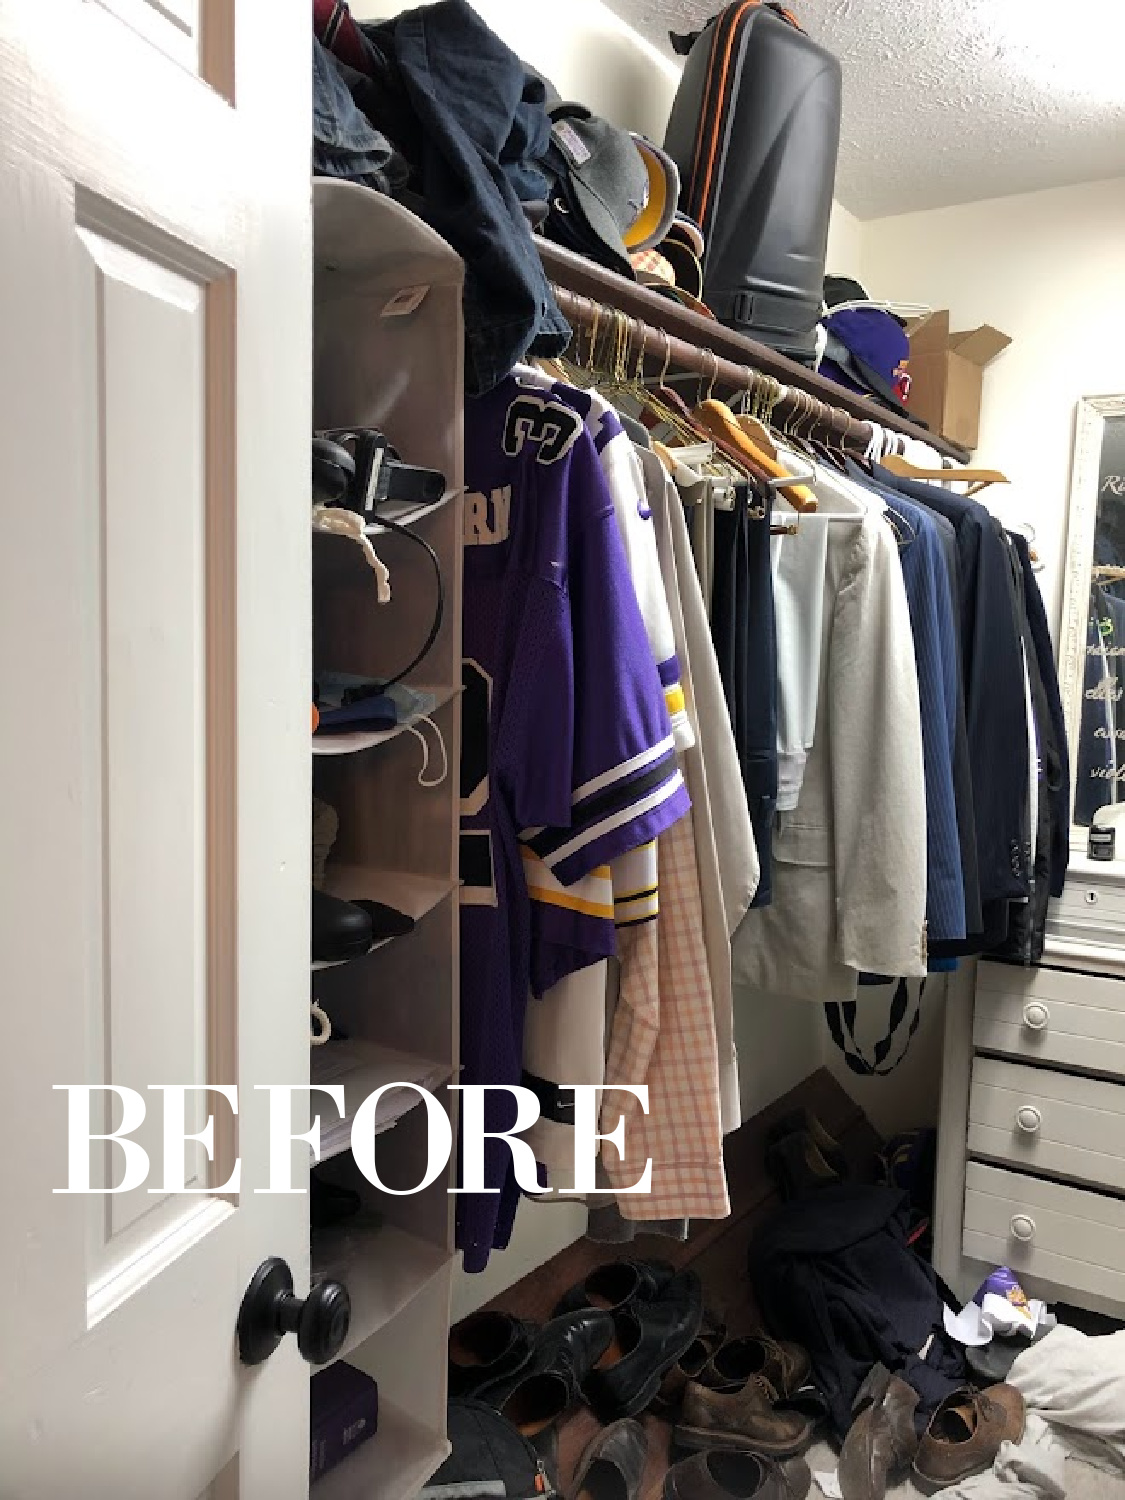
(947,375)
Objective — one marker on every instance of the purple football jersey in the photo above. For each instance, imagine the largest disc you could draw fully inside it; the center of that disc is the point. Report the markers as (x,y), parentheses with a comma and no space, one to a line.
(567,748)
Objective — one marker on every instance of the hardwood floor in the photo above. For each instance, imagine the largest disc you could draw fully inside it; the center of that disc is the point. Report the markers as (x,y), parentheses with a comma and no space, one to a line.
(717,1251)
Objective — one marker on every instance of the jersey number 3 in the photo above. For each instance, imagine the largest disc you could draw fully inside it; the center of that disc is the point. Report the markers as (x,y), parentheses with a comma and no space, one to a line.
(553,427)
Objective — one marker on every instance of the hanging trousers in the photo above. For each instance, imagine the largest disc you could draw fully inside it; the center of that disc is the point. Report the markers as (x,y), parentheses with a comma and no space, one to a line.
(743,630)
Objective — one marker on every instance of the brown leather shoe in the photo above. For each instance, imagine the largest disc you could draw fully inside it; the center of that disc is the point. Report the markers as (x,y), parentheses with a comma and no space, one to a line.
(737,1476)
(786,1366)
(882,1439)
(690,1366)
(965,1434)
(741,1419)
(613,1466)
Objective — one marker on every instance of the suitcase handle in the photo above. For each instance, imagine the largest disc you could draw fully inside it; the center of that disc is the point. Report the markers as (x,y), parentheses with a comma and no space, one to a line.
(684,41)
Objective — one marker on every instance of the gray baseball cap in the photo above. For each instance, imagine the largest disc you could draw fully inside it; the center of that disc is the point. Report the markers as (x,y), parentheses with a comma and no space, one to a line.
(605,177)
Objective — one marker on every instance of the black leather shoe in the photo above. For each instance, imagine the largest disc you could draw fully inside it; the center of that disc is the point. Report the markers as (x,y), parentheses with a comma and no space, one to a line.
(613,1466)
(616,1284)
(649,1339)
(339,929)
(486,1347)
(564,1352)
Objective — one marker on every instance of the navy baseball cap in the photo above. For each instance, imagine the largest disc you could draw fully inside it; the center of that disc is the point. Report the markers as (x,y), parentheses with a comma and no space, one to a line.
(867,352)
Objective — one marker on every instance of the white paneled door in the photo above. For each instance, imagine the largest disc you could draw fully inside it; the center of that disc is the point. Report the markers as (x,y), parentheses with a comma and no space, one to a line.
(155,306)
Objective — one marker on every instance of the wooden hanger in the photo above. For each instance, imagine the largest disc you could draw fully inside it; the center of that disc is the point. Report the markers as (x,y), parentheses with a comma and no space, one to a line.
(721,423)
(976,479)
(661,402)
(665,456)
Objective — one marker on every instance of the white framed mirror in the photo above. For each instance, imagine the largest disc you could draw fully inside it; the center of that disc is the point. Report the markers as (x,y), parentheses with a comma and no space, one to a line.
(1092,631)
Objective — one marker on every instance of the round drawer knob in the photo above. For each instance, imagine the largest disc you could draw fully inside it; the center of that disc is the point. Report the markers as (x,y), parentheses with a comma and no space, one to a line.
(1029,1119)
(1036,1017)
(1023,1228)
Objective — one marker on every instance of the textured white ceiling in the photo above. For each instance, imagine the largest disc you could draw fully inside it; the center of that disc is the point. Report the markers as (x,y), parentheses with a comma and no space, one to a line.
(950,101)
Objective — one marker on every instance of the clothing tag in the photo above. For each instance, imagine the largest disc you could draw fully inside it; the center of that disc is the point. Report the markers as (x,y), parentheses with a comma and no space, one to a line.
(572,143)
(408,300)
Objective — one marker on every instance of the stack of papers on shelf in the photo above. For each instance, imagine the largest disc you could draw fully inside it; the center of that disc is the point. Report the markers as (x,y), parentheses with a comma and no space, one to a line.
(361,1068)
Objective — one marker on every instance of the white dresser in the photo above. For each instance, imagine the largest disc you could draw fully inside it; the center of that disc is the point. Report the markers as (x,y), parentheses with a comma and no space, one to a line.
(1031,1153)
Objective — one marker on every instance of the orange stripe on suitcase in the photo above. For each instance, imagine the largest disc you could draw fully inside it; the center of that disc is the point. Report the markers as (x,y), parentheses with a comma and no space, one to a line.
(705,196)
(694,200)
(699,198)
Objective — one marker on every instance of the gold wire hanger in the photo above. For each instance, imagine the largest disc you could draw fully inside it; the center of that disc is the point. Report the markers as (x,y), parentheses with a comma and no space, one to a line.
(751,421)
(791,424)
(671,412)
(567,366)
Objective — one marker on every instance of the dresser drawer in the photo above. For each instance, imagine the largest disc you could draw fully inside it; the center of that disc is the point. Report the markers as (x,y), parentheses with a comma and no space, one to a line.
(1090,910)
(1067,1236)
(1048,1122)
(1051,1016)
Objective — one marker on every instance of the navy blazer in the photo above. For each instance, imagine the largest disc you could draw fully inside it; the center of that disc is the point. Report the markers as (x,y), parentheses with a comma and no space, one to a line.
(995,697)
(1059,778)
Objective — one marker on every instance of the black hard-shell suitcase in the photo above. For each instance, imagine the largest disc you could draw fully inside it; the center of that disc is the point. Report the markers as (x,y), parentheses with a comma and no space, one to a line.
(755,131)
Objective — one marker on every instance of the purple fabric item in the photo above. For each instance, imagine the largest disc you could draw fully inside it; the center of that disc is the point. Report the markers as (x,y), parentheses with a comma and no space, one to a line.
(832,371)
(873,336)
(567,753)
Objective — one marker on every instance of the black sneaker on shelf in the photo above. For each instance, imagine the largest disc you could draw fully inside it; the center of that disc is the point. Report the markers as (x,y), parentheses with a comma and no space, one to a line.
(340,929)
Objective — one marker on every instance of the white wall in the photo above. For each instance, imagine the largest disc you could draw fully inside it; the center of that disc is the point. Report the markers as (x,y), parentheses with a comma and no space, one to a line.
(1049,269)
(846,243)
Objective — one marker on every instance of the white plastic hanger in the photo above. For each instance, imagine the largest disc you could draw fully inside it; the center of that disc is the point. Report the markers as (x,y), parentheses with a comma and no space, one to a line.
(897,309)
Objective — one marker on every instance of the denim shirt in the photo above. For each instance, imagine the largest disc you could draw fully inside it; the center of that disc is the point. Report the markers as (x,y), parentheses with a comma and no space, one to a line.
(995,699)
(472,122)
(345,144)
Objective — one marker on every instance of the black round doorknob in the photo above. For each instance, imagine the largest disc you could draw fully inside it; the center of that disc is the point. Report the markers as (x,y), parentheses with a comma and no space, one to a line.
(270,1310)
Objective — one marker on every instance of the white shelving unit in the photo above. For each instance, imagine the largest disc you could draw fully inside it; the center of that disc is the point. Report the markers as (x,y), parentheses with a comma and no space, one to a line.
(396,1007)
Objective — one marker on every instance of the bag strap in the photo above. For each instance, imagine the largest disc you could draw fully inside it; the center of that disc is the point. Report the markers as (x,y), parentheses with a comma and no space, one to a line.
(841,1015)
(684,41)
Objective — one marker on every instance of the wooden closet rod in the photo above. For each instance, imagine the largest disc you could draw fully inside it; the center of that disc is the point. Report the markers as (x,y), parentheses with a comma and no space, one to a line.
(578,283)
(662,347)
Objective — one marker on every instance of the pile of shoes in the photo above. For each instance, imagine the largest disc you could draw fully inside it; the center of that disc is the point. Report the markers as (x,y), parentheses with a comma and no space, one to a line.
(634,1337)
(961,1439)
(746,1412)
(611,1341)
